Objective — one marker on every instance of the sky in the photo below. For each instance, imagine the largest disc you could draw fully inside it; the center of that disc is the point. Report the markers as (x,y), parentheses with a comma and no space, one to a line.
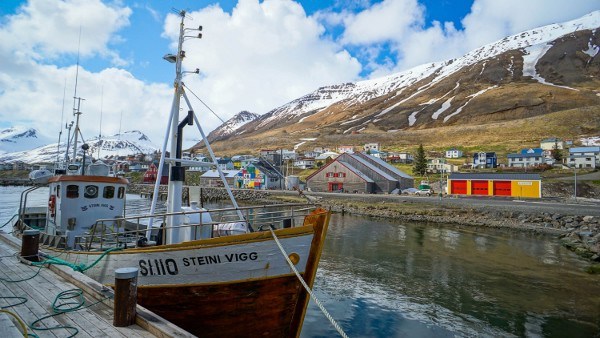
(253,55)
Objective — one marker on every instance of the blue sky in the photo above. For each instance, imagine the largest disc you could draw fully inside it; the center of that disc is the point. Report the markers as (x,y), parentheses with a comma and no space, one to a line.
(255,55)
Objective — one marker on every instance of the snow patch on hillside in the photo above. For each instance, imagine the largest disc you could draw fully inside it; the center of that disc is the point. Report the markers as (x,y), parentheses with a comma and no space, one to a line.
(442,109)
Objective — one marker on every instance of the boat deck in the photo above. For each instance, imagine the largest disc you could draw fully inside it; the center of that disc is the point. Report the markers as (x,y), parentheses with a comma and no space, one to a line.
(40,287)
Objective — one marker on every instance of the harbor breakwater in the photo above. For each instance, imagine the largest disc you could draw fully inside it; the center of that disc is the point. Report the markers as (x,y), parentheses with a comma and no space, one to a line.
(579,233)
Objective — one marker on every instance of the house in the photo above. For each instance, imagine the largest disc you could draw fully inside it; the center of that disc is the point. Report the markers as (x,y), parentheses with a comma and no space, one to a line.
(454,153)
(376,153)
(238,160)
(359,173)
(485,160)
(395,157)
(326,155)
(551,143)
(304,163)
(311,154)
(260,174)
(370,146)
(526,158)
(225,163)
(345,149)
(484,184)
(584,157)
(211,178)
(151,174)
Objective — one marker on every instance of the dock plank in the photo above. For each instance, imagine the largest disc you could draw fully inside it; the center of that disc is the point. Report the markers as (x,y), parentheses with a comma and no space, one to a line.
(41,291)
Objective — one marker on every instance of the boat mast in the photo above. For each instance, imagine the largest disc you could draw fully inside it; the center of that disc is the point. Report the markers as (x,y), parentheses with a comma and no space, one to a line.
(175,188)
(76,132)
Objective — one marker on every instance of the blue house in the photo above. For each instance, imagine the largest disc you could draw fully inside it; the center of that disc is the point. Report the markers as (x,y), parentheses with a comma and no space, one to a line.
(485,160)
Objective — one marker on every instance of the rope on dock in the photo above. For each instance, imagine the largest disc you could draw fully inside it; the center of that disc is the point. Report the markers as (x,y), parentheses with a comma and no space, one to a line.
(77,267)
(66,301)
(314,298)
(19,320)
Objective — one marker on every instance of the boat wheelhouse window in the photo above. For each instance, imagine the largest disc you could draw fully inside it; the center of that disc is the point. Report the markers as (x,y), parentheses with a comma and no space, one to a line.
(58,191)
(91,191)
(121,193)
(72,191)
(109,192)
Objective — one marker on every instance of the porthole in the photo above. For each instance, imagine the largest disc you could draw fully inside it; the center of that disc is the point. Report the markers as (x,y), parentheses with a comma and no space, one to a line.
(91,191)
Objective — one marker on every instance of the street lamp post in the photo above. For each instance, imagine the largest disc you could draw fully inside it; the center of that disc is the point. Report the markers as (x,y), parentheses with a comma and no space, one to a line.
(575,187)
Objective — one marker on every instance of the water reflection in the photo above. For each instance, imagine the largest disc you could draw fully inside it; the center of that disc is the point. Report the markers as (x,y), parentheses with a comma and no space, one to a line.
(384,279)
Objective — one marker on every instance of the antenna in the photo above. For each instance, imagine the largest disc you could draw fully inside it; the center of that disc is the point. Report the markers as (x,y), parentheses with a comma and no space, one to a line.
(100,132)
(62,114)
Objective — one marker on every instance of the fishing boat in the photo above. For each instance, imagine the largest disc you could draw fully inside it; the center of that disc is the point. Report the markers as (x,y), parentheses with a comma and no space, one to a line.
(239,271)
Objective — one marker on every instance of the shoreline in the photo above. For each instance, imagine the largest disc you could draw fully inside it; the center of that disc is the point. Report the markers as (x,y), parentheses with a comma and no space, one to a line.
(578,233)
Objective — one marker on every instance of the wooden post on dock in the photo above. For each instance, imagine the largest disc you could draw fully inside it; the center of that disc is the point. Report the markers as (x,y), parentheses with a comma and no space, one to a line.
(125,296)
(30,245)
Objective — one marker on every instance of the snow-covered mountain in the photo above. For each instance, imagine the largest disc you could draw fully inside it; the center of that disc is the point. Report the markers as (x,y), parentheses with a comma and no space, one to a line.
(232,125)
(128,143)
(535,72)
(20,138)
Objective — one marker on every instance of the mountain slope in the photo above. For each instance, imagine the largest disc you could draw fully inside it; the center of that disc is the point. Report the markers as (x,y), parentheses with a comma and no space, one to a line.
(232,125)
(127,143)
(19,138)
(540,71)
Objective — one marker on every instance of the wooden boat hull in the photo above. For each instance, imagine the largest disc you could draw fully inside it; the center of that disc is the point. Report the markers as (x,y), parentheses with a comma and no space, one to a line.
(233,286)
(258,308)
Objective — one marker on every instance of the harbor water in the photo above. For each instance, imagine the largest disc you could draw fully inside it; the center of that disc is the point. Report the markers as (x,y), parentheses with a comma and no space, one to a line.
(381,278)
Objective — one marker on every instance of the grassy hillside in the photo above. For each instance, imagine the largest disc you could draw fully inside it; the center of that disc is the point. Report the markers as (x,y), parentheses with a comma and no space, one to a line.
(503,137)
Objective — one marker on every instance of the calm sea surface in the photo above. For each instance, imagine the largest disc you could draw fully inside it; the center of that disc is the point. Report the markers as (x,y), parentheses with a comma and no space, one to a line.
(393,279)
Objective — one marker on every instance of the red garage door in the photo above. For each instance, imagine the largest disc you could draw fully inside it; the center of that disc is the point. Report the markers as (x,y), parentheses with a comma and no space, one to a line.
(502,188)
(479,187)
(458,187)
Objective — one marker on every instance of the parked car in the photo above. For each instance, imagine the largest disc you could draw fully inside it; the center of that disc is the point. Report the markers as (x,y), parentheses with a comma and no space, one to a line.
(424,192)
(409,191)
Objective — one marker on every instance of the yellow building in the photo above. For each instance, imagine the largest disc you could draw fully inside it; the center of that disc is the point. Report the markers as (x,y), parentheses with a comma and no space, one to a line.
(482,184)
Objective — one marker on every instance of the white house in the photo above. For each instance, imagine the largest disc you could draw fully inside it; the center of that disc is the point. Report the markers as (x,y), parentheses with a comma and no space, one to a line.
(371,146)
(345,149)
(454,153)
(526,158)
(584,157)
(304,163)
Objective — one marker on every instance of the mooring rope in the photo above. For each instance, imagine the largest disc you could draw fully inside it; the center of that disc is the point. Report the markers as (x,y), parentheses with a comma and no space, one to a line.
(314,298)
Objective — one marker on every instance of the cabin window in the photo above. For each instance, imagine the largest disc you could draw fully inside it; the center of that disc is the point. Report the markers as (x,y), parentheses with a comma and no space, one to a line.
(109,192)
(91,191)
(72,191)
(58,191)
(121,193)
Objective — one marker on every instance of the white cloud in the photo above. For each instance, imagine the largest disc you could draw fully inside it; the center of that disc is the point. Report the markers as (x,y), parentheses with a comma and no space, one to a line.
(46,29)
(31,88)
(260,56)
(399,25)
(387,20)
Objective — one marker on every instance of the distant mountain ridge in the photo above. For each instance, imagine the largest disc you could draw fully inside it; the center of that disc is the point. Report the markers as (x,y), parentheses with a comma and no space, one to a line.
(20,138)
(232,125)
(127,143)
(539,71)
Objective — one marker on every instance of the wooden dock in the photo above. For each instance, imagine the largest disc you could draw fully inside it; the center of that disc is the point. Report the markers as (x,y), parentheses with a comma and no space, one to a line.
(41,286)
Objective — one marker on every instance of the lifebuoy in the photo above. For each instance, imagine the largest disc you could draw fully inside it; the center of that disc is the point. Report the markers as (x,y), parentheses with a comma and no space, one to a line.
(52,205)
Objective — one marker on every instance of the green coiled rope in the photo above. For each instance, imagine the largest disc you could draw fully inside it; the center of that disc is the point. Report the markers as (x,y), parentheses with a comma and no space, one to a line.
(77,267)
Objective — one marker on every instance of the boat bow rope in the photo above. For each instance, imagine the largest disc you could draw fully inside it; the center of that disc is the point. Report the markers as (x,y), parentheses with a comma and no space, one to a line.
(312,295)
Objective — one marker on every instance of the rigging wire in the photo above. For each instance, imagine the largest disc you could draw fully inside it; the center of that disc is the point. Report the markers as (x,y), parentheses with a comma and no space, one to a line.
(199,99)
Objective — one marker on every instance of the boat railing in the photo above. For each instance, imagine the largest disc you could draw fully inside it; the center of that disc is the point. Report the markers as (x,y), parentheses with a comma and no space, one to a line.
(131,231)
